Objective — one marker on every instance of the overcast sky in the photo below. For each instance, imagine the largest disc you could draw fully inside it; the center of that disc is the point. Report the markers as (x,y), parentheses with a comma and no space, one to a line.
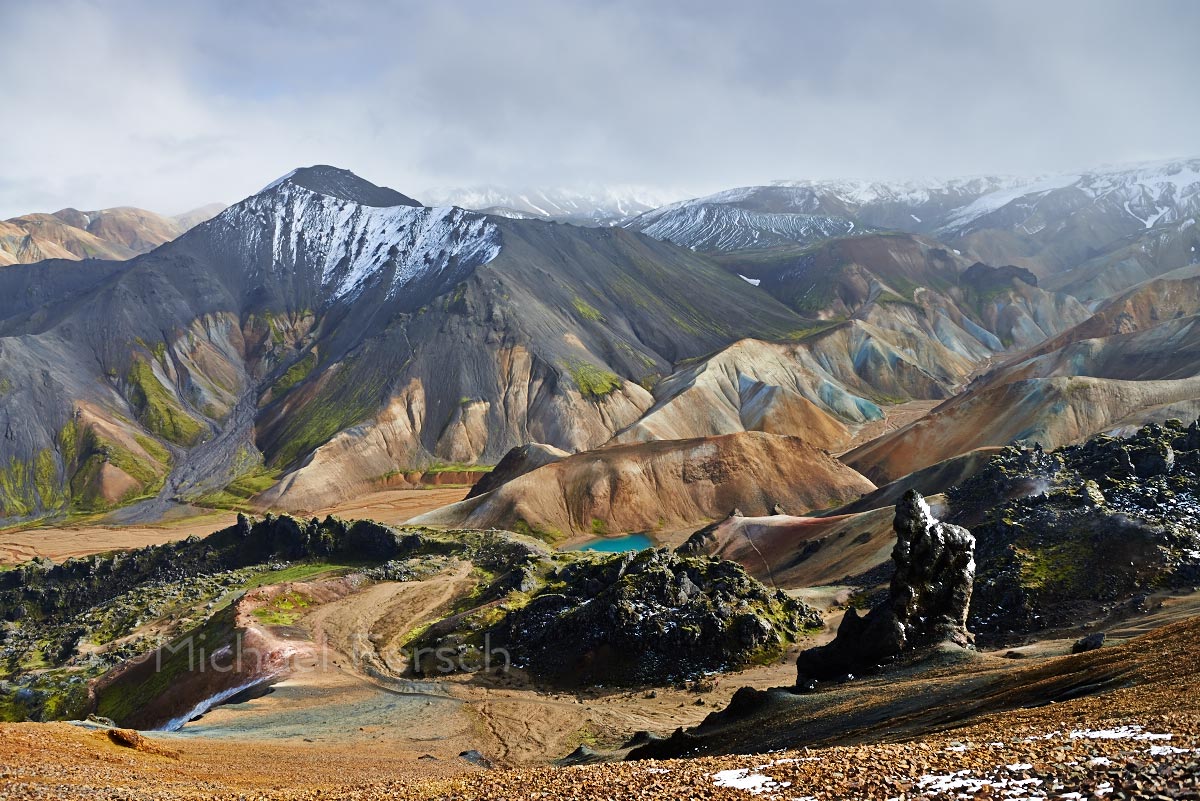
(167,105)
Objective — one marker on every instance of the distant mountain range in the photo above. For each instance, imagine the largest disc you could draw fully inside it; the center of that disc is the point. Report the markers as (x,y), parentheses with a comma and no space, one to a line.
(325,333)
(117,233)
(1089,234)
(595,207)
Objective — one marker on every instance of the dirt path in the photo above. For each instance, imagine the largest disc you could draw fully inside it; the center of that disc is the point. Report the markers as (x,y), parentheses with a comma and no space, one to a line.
(61,542)
(367,627)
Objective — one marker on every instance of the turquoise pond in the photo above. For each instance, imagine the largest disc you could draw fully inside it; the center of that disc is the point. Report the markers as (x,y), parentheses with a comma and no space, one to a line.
(629,542)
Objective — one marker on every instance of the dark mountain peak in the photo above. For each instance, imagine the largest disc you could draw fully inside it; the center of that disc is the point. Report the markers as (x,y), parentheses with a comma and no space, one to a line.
(986,278)
(336,182)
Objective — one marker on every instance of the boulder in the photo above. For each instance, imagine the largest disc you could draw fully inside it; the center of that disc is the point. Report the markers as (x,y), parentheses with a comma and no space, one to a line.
(926,605)
(1088,643)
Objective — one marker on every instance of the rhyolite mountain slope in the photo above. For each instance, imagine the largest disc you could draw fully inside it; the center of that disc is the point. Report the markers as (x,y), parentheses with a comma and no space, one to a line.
(329,331)
(900,318)
(1137,359)
(117,233)
(663,486)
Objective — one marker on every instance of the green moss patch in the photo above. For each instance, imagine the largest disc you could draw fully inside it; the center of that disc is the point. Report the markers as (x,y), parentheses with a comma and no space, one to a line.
(586,310)
(593,382)
(158,409)
(295,374)
(282,610)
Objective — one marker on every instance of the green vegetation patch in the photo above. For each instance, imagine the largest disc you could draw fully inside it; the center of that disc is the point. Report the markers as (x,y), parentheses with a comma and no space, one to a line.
(547,535)
(283,610)
(94,451)
(346,394)
(305,571)
(586,310)
(295,374)
(158,408)
(237,494)
(593,382)
(458,467)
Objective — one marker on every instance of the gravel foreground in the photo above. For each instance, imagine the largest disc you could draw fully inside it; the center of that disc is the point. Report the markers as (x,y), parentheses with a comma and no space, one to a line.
(1141,741)
(1119,761)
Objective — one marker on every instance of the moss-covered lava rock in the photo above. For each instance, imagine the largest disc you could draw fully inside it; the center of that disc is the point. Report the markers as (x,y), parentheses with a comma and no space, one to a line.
(1063,534)
(637,618)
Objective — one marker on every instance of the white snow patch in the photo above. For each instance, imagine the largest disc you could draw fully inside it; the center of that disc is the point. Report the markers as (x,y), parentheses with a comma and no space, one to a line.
(751,281)
(915,217)
(349,246)
(743,779)
(1118,733)
(175,724)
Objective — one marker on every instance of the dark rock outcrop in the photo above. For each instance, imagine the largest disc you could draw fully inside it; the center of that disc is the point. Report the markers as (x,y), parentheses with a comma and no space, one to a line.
(927,604)
(637,618)
(43,591)
(1061,534)
(1088,643)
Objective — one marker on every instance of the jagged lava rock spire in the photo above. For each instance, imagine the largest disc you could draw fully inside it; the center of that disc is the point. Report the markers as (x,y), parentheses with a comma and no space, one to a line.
(927,603)
(935,570)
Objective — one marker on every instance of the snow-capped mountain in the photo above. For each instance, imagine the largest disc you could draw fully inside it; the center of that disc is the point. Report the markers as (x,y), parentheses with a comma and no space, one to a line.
(747,218)
(318,222)
(1157,192)
(1048,224)
(595,206)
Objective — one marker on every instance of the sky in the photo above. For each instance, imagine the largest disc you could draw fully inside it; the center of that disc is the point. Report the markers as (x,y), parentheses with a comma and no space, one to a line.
(170,105)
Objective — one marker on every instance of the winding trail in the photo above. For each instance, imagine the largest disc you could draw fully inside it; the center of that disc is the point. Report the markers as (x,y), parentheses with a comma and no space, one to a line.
(367,627)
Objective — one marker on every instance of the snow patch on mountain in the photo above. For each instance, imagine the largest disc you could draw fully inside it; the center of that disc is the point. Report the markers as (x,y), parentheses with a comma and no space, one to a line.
(1151,193)
(348,247)
(278,181)
(906,193)
(714,226)
(592,205)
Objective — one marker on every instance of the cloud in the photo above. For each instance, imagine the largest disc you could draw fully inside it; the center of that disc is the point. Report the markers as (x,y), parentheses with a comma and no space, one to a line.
(169,106)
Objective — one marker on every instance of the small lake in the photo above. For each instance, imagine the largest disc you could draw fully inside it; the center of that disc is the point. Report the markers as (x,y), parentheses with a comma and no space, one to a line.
(629,542)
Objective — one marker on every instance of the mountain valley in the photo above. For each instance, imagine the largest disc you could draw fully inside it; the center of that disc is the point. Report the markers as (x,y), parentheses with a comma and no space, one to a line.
(410,457)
